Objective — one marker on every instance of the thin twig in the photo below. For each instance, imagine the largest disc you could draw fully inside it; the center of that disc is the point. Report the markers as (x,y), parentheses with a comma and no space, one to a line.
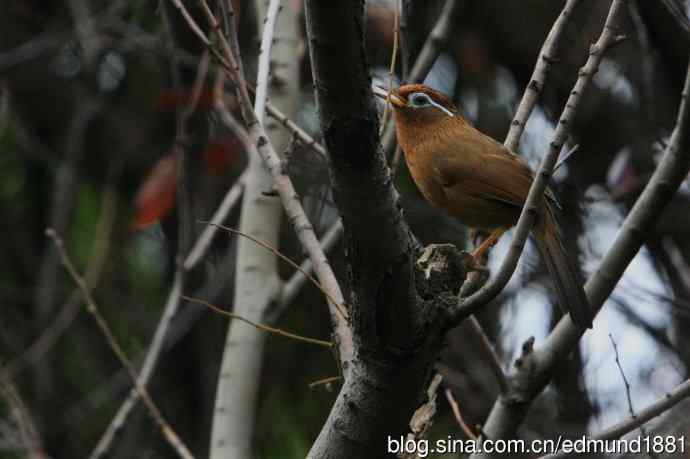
(323,381)
(490,355)
(495,285)
(391,69)
(184,207)
(283,257)
(70,310)
(565,158)
(458,415)
(230,59)
(168,433)
(668,401)
(547,57)
(262,327)
(402,36)
(192,23)
(17,409)
(631,410)
(293,127)
(294,285)
(435,42)
(206,237)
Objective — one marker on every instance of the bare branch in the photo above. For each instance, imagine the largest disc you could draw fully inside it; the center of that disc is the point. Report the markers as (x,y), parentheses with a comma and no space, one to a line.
(547,56)
(294,285)
(262,327)
(286,259)
(626,384)
(168,433)
(70,310)
(435,42)
(458,415)
(265,60)
(668,401)
(203,243)
(489,353)
(300,133)
(16,408)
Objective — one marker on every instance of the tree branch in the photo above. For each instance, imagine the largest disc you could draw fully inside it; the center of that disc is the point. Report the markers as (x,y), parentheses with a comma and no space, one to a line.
(668,401)
(547,56)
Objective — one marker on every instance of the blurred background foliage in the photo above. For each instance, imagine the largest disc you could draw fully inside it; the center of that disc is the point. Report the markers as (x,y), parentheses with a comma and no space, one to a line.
(89,91)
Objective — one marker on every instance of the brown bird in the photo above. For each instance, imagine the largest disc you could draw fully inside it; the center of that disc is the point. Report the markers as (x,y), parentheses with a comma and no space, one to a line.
(476,179)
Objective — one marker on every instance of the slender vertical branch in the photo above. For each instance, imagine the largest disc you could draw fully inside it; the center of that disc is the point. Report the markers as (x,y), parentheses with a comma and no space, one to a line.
(489,353)
(294,285)
(626,384)
(547,56)
(265,60)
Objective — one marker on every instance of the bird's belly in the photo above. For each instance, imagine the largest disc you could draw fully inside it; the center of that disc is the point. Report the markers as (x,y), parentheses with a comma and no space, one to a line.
(471,210)
(481,213)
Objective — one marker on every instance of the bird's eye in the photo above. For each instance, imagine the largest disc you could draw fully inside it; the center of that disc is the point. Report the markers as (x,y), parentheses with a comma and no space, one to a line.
(419,99)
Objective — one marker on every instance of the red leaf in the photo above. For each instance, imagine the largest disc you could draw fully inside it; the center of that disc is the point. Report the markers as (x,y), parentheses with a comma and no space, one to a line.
(156,195)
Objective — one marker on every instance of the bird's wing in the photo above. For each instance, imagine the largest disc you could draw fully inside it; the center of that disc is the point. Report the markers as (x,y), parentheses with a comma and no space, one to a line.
(485,169)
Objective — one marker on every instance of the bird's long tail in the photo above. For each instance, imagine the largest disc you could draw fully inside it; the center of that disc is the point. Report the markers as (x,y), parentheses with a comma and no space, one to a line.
(563,270)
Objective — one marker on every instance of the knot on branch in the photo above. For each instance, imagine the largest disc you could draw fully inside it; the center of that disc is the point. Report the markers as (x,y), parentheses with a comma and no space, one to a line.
(441,270)
(521,384)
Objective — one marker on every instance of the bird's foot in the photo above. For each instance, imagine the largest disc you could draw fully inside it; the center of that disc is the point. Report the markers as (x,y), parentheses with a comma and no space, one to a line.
(476,263)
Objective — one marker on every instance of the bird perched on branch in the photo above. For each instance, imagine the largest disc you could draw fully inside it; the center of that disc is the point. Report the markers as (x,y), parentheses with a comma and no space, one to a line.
(476,179)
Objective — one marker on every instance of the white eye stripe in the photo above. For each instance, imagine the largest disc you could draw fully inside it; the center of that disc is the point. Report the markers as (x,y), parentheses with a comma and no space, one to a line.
(421,100)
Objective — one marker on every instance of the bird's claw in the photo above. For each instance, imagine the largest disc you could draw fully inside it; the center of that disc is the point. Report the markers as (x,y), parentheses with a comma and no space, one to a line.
(474,263)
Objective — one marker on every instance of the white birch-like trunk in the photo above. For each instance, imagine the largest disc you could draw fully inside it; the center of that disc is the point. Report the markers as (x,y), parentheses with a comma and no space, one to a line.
(256,282)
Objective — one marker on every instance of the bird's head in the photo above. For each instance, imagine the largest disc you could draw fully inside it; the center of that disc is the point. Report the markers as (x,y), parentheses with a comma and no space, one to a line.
(418,103)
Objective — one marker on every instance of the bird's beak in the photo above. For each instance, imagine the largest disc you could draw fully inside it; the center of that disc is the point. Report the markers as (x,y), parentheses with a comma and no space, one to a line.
(390,97)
